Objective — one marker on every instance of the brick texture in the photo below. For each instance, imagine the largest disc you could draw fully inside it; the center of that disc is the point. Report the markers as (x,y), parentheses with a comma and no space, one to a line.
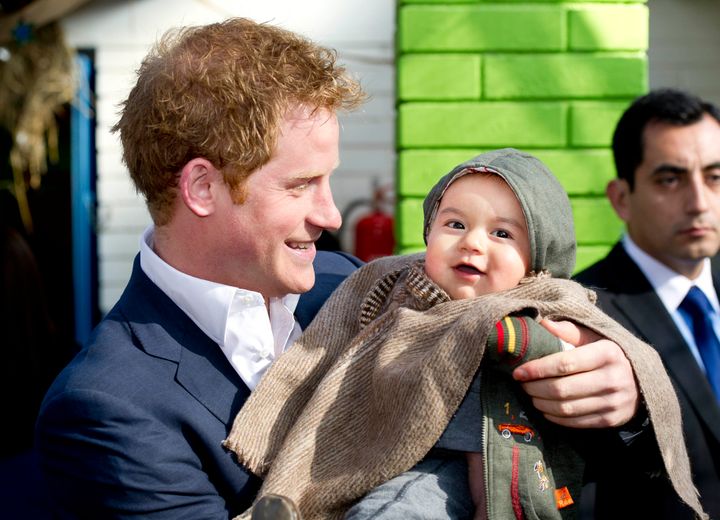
(482,124)
(550,77)
(580,171)
(608,27)
(556,1)
(592,123)
(477,27)
(564,76)
(439,76)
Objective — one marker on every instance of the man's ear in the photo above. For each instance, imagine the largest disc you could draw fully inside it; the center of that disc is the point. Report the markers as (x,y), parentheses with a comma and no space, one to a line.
(618,193)
(199,182)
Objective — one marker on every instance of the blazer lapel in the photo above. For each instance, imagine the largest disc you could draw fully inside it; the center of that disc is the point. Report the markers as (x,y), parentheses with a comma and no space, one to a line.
(165,331)
(205,372)
(648,317)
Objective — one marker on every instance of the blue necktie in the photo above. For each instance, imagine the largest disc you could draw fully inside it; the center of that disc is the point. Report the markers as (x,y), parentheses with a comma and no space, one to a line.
(696,310)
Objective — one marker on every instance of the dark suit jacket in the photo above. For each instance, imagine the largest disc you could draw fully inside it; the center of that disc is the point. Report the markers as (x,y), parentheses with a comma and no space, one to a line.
(132,428)
(625,294)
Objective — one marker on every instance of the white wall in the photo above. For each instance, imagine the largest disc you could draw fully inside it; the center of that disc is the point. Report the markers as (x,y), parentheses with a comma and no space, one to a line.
(685,46)
(121,32)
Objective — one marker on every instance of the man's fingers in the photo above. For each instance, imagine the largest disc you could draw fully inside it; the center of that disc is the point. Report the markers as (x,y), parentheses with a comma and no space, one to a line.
(588,358)
(583,385)
(568,331)
(589,387)
(594,412)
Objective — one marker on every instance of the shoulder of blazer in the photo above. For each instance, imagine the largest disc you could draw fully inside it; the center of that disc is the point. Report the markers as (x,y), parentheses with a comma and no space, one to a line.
(160,326)
(616,273)
(145,319)
(715,267)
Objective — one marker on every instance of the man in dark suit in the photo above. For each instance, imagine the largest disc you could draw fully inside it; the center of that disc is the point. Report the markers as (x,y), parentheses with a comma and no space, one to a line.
(231,135)
(667,191)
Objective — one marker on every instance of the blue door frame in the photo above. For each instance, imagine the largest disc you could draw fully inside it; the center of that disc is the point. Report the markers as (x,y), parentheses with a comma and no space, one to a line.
(82,172)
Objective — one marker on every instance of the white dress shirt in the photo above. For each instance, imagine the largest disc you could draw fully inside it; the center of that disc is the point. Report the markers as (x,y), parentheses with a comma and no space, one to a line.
(249,334)
(672,288)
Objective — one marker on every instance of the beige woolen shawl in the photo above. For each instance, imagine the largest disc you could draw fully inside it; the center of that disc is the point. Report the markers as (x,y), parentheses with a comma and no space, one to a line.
(349,407)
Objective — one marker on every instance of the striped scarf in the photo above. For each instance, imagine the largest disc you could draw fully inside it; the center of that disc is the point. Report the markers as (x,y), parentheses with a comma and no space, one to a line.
(357,401)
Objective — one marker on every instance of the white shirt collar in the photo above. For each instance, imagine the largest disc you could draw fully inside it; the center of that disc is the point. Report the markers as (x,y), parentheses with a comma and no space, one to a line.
(670,286)
(250,336)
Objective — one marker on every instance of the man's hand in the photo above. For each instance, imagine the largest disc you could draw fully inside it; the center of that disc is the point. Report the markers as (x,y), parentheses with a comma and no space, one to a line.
(588,387)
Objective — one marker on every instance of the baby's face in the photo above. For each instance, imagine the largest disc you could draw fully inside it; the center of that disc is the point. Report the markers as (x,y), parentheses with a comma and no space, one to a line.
(478,242)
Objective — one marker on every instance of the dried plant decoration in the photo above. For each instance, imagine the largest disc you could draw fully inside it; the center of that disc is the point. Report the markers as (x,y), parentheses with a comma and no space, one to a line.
(37,79)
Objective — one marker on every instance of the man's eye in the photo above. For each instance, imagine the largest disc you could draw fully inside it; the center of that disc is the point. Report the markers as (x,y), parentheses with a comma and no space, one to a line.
(668,180)
(713,178)
(302,186)
(501,233)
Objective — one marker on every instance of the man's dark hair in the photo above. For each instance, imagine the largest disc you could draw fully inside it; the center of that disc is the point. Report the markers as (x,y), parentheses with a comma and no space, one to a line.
(670,106)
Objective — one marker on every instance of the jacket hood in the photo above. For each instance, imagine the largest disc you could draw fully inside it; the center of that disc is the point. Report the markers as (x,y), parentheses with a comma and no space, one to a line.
(544,202)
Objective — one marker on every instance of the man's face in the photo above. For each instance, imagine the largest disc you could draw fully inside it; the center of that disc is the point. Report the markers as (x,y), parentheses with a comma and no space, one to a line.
(478,243)
(673,212)
(268,240)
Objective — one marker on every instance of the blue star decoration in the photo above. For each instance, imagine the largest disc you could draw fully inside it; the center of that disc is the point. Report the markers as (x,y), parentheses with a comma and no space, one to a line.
(22,33)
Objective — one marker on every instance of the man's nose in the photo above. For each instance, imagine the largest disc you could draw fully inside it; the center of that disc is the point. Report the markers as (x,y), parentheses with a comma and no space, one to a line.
(697,199)
(324,213)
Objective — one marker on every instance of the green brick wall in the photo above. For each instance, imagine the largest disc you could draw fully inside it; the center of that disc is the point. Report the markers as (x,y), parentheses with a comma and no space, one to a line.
(550,77)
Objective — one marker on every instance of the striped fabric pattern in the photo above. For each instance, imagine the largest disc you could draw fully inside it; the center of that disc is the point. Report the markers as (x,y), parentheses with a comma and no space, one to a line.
(517,339)
(512,336)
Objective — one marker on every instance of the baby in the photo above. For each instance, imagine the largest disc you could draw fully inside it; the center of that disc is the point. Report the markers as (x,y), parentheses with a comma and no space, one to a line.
(478,243)
(382,408)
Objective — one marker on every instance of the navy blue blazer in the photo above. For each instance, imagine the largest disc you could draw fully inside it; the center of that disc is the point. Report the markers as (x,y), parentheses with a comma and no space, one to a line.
(627,296)
(132,427)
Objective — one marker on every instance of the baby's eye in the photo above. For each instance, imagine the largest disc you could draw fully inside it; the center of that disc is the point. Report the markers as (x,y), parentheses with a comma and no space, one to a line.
(501,233)
(454,224)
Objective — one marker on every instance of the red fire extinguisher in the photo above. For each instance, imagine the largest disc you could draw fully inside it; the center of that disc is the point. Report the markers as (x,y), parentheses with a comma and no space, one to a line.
(374,233)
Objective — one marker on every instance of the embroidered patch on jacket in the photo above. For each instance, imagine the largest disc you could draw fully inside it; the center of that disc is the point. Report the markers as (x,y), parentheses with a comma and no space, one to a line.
(544,483)
(563,498)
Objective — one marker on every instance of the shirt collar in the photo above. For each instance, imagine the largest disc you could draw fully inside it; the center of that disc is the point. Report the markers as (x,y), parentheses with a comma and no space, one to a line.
(670,286)
(227,314)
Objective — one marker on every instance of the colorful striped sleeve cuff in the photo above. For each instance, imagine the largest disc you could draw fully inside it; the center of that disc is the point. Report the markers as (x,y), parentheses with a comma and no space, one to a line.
(517,339)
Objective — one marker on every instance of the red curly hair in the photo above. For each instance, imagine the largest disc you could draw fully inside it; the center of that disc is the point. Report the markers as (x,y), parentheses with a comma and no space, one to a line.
(220,91)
